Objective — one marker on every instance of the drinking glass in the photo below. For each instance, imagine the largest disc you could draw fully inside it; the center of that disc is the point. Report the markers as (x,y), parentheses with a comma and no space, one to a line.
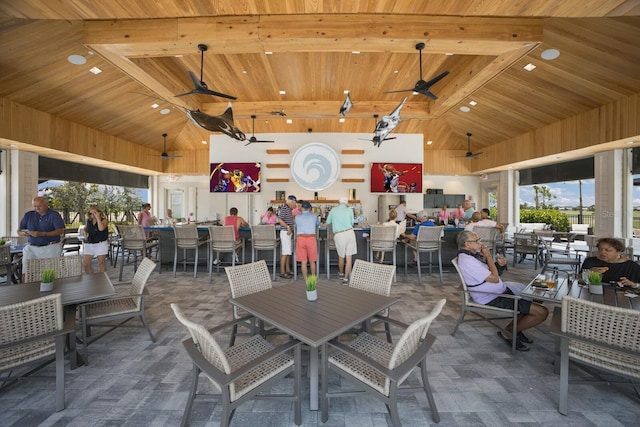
(585,276)
(549,279)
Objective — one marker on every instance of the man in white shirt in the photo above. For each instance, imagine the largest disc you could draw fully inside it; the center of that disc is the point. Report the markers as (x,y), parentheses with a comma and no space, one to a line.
(481,219)
(403,213)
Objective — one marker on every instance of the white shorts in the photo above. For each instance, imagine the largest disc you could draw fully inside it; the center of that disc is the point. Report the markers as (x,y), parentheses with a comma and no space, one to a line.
(95,249)
(35,252)
(285,243)
(346,243)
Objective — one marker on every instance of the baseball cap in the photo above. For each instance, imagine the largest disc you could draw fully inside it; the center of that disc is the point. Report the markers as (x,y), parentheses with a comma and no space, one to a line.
(292,197)
(344,200)
(423,214)
(306,205)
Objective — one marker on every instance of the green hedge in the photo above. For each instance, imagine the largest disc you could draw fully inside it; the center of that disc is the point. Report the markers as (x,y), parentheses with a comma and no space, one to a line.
(558,220)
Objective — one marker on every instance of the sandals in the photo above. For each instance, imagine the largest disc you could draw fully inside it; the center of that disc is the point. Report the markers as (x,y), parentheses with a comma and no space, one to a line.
(286,276)
(519,345)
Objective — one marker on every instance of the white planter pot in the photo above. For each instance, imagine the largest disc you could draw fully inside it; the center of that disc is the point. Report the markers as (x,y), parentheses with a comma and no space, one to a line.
(312,295)
(46,286)
(595,289)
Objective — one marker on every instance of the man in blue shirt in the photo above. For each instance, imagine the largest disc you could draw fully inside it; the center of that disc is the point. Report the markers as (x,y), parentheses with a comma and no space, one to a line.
(306,242)
(424,221)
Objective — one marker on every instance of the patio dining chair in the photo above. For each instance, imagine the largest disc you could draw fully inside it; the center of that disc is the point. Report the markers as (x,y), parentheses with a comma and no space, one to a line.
(468,305)
(380,368)
(552,257)
(489,236)
(383,238)
(135,242)
(599,337)
(187,237)
(526,244)
(223,239)
(33,334)
(121,308)
(429,240)
(65,266)
(242,371)
(264,238)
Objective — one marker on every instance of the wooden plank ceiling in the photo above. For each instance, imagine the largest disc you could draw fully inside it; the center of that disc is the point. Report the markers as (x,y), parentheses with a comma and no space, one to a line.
(146,48)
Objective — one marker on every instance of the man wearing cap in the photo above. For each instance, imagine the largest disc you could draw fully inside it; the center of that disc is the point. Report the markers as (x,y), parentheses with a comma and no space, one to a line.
(306,242)
(424,221)
(285,219)
(341,220)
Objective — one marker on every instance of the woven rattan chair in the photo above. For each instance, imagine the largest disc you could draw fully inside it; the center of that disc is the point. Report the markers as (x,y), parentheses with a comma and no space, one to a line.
(186,237)
(244,280)
(598,336)
(552,257)
(380,368)
(241,371)
(65,266)
(375,278)
(223,239)
(33,333)
(526,244)
(489,236)
(135,242)
(428,240)
(383,238)
(480,309)
(264,238)
(124,307)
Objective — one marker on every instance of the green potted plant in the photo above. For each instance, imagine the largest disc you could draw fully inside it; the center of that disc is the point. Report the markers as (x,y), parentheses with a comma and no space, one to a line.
(595,283)
(312,290)
(46,285)
(2,242)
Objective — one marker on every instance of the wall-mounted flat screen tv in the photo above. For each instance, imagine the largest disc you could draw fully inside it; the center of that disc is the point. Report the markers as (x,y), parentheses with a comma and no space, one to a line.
(234,177)
(396,177)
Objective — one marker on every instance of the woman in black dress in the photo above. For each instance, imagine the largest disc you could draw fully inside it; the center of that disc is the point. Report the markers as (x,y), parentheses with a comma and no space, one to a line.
(612,262)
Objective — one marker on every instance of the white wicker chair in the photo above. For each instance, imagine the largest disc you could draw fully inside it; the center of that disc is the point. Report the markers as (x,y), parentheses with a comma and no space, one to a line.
(264,238)
(241,371)
(65,266)
(244,280)
(187,237)
(429,239)
(375,278)
(380,368)
(383,238)
(480,309)
(598,336)
(223,239)
(33,331)
(125,307)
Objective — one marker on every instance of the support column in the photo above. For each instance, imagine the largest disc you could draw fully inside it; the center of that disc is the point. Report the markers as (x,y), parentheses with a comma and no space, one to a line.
(23,185)
(613,198)
(508,198)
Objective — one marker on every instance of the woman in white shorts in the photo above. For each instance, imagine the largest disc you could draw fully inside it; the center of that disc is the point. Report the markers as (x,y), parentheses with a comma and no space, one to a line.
(96,240)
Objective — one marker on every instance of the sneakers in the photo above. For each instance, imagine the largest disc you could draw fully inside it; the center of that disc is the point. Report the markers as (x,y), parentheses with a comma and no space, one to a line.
(235,258)
(345,281)
(340,274)
(216,261)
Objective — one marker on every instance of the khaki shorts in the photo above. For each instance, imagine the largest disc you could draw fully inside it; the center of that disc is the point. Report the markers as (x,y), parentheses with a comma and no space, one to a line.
(95,249)
(35,252)
(346,243)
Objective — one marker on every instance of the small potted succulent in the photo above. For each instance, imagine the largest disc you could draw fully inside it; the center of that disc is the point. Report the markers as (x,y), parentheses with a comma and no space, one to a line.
(595,283)
(46,285)
(312,290)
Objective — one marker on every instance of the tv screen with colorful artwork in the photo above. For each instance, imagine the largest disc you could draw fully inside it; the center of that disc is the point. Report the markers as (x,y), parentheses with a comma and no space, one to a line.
(234,177)
(396,177)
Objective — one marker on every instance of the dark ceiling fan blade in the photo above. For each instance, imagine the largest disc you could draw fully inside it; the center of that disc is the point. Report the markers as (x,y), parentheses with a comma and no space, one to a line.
(200,87)
(401,90)
(253,139)
(422,86)
(164,154)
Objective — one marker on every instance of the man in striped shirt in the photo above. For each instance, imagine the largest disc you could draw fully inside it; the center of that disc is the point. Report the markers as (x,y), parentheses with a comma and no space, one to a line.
(285,219)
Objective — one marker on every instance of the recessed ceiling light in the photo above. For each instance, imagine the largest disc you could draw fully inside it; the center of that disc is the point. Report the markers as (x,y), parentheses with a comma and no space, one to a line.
(465,109)
(282,92)
(415,93)
(355,52)
(244,71)
(95,70)
(204,142)
(346,91)
(13,145)
(395,71)
(177,56)
(154,105)
(268,53)
(630,142)
(165,111)
(473,103)
(449,54)
(549,54)
(90,52)
(289,121)
(77,59)
(529,67)
(341,120)
(429,142)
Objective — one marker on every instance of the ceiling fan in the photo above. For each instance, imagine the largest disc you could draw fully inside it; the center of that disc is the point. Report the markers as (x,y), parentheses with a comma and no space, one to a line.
(253,138)
(423,86)
(164,154)
(280,113)
(469,154)
(200,87)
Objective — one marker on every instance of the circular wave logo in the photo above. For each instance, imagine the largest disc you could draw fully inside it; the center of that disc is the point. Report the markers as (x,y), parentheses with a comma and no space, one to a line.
(315,166)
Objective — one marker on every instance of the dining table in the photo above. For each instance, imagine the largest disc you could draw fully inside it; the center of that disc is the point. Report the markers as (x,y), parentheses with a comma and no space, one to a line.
(73,291)
(337,310)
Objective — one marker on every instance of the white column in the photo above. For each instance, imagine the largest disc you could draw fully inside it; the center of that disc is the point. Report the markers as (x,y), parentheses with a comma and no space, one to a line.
(508,198)
(23,185)
(613,193)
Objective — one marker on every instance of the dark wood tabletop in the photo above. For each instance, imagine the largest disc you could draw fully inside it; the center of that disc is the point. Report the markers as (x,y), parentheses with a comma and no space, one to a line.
(73,290)
(337,309)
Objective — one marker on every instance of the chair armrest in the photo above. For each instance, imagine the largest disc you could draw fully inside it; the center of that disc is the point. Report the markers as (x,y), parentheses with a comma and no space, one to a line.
(229,324)
(220,377)
(514,297)
(115,298)
(391,321)
(68,327)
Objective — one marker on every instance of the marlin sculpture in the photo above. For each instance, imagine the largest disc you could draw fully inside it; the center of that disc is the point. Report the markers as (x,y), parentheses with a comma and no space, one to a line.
(386,125)
(346,106)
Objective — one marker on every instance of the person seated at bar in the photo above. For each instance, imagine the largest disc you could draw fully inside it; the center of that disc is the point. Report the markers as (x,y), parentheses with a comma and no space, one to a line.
(391,222)
(306,243)
(613,264)
(269,217)
(236,221)
(482,219)
(444,215)
(481,274)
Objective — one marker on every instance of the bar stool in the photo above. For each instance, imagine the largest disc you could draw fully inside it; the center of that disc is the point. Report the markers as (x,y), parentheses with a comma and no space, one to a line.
(382,238)
(264,238)
(223,239)
(186,237)
(329,245)
(428,240)
(135,242)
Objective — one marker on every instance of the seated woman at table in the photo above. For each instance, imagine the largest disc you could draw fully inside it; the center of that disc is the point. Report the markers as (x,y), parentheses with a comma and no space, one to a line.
(612,262)
(481,274)
(391,222)
(268,217)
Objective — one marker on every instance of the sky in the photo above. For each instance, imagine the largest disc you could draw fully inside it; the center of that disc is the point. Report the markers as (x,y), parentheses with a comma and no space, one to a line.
(567,193)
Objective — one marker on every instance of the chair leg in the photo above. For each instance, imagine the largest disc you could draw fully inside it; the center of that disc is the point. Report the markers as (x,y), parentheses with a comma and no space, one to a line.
(195,262)
(234,331)
(60,373)
(387,330)
(297,385)
(564,376)
(192,394)
(146,325)
(419,268)
(427,390)
(440,264)
(460,320)
(392,407)
(121,265)
(175,260)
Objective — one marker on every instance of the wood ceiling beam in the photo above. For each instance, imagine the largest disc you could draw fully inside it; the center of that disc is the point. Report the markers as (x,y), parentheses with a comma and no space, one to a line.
(314,33)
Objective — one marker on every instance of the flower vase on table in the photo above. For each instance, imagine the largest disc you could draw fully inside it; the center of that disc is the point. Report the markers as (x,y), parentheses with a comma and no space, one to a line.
(312,291)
